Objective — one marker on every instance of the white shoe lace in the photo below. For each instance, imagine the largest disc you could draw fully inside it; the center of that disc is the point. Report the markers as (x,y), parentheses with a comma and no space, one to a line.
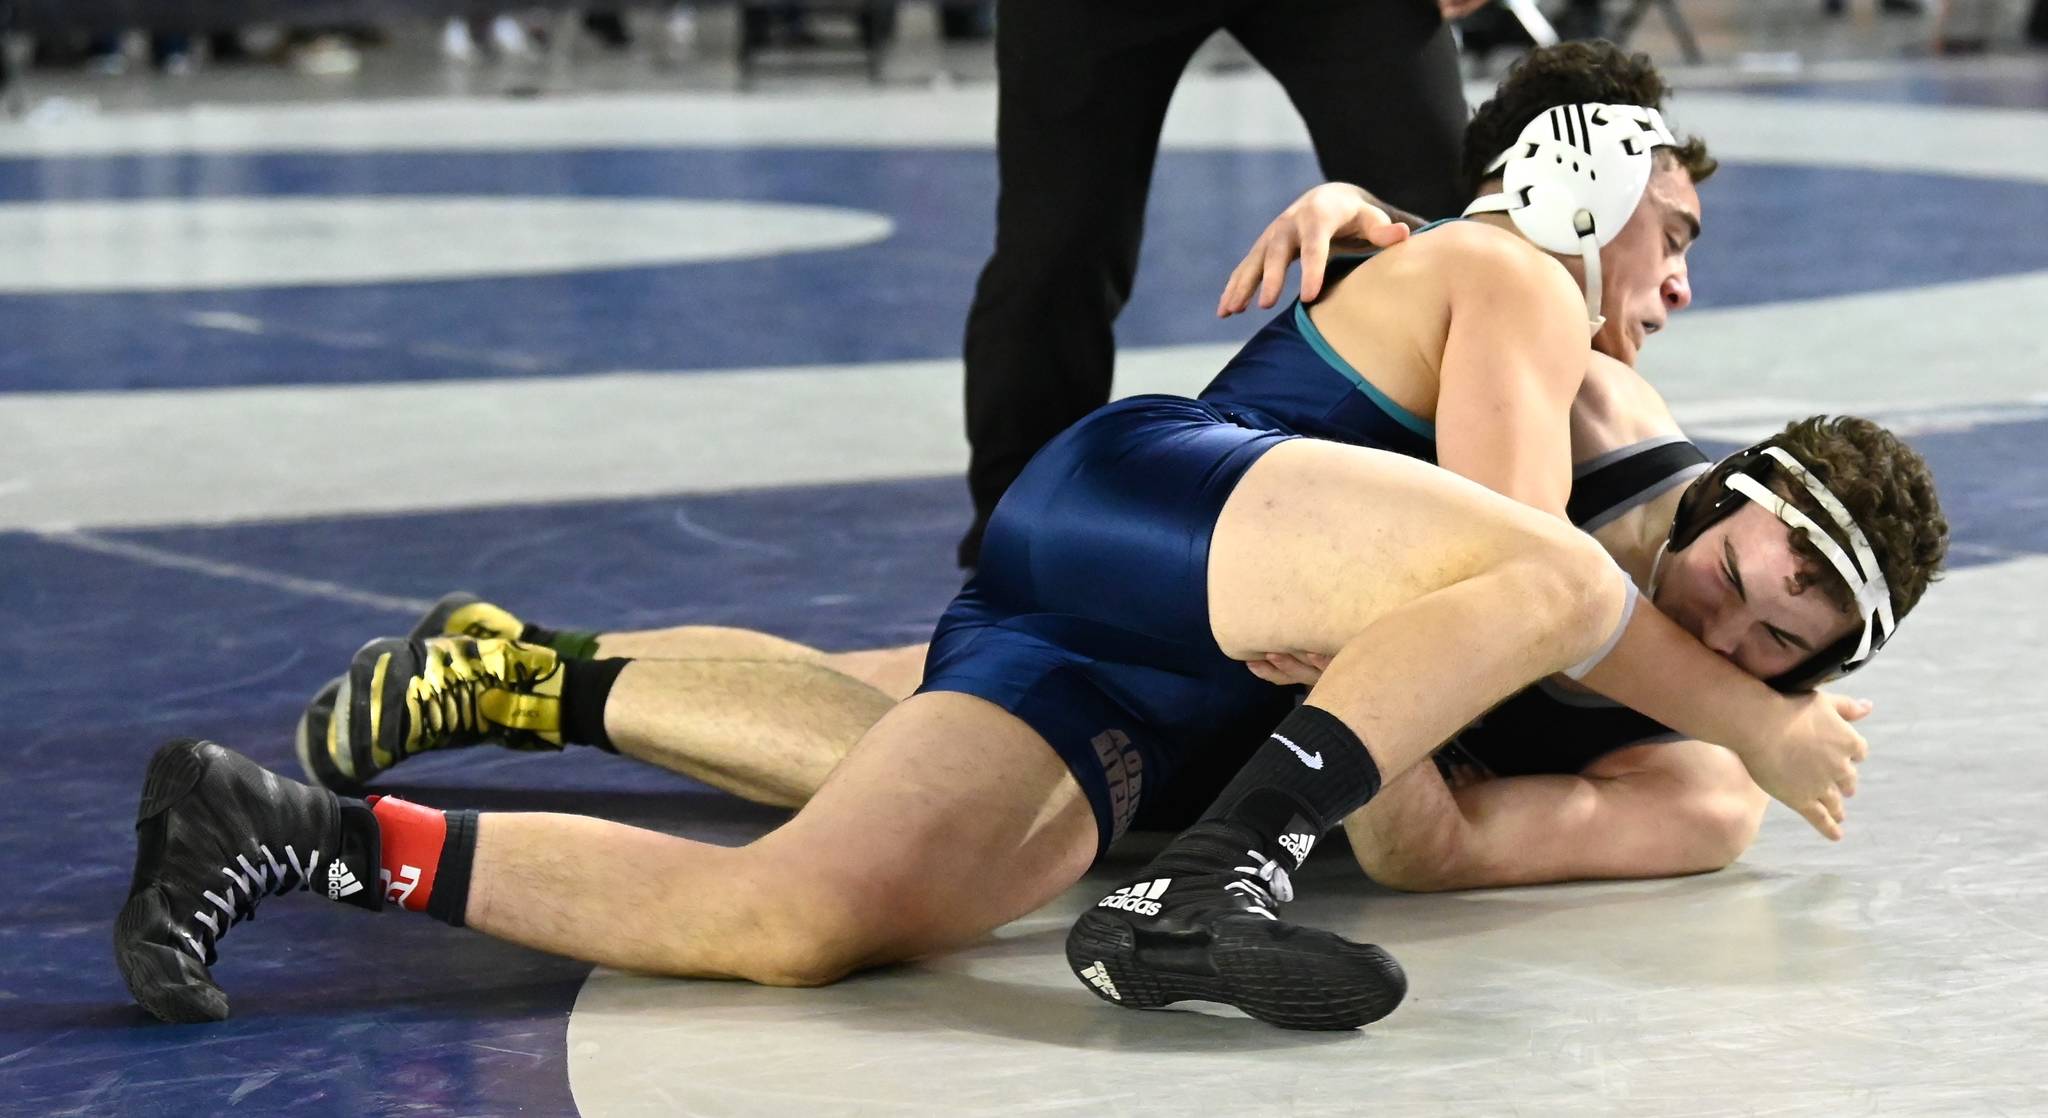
(254,882)
(1275,891)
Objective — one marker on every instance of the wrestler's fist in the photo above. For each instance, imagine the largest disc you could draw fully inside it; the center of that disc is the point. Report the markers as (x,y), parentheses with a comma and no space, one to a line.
(1334,211)
(1811,767)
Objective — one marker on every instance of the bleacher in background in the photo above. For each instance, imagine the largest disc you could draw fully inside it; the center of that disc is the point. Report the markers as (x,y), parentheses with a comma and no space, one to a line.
(222,15)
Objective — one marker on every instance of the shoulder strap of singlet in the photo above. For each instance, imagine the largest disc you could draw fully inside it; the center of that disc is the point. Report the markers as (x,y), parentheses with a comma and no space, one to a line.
(1620,480)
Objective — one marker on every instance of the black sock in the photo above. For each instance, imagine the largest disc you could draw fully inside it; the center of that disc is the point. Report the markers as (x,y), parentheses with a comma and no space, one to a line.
(569,644)
(1308,776)
(450,899)
(586,686)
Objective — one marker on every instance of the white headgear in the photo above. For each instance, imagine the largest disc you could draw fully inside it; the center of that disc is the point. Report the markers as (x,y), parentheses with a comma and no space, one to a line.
(1574,176)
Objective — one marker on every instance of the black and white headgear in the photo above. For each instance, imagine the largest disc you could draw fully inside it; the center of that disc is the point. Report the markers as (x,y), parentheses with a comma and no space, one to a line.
(1574,176)
(1743,478)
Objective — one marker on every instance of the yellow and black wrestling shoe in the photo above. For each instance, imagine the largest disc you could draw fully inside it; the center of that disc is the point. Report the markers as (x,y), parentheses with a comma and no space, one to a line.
(458,614)
(403,697)
(462,614)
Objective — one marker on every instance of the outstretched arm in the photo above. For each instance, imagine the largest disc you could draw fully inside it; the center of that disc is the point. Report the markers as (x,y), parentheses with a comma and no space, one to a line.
(1801,749)
(1644,811)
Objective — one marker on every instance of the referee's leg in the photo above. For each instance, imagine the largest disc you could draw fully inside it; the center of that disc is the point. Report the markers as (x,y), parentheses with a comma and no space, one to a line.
(1377,83)
(1083,89)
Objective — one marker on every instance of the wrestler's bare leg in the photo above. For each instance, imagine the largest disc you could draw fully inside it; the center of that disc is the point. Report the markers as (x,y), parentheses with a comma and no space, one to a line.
(747,712)
(951,818)
(894,671)
(1435,597)
(766,730)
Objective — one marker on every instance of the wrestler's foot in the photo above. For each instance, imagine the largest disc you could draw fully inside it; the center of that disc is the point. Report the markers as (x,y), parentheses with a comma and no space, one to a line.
(404,697)
(461,614)
(1201,923)
(216,833)
(457,614)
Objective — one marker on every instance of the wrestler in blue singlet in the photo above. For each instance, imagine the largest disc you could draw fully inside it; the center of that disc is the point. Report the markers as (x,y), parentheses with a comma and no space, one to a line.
(1543,729)
(1089,618)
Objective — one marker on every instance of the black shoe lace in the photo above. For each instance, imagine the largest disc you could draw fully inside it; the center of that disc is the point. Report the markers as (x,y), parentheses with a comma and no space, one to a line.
(246,888)
(445,697)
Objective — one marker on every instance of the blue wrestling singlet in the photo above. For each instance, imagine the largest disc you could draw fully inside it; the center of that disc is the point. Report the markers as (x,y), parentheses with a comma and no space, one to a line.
(1088,617)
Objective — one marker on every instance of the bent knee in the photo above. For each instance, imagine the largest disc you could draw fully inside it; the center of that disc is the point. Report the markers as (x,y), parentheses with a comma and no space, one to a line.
(800,960)
(819,932)
(1567,574)
(796,949)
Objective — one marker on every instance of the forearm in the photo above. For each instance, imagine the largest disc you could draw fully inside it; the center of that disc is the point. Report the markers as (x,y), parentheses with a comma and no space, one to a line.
(1660,670)
(1538,830)
(1492,834)
(1411,836)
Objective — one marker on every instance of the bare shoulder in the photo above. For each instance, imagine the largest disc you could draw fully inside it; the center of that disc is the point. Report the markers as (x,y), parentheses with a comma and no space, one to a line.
(1480,257)
(1628,386)
(1616,407)
(1461,259)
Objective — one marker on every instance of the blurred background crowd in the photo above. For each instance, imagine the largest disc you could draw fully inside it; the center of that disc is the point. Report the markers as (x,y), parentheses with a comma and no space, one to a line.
(723,40)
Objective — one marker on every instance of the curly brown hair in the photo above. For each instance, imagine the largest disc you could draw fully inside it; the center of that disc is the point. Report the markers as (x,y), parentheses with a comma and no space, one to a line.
(1886,487)
(1573,73)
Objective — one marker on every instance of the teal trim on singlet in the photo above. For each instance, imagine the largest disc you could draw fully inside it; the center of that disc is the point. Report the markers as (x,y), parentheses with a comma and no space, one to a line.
(1394,411)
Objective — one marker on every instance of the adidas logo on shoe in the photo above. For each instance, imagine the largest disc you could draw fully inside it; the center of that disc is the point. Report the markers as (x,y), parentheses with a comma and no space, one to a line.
(341,882)
(1098,977)
(1142,898)
(1298,844)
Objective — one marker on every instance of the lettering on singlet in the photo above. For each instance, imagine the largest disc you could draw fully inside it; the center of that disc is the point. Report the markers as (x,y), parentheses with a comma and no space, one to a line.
(1124,768)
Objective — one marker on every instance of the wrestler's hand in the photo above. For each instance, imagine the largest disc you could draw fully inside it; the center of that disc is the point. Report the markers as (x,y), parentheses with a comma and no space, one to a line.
(1330,212)
(1454,10)
(1811,767)
(1290,668)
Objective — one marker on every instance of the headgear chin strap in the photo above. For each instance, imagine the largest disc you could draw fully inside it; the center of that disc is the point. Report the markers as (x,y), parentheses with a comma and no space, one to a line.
(1739,478)
(1574,176)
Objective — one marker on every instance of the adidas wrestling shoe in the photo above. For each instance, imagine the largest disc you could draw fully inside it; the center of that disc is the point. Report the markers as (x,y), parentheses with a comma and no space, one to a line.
(1202,924)
(458,614)
(215,835)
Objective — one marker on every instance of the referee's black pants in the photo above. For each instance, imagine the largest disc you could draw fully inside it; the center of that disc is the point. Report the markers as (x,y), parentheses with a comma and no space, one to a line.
(1084,86)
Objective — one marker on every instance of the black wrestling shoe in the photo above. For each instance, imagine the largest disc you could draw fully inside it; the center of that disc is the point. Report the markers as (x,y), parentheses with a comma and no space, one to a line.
(1201,924)
(322,757)
(217,833)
